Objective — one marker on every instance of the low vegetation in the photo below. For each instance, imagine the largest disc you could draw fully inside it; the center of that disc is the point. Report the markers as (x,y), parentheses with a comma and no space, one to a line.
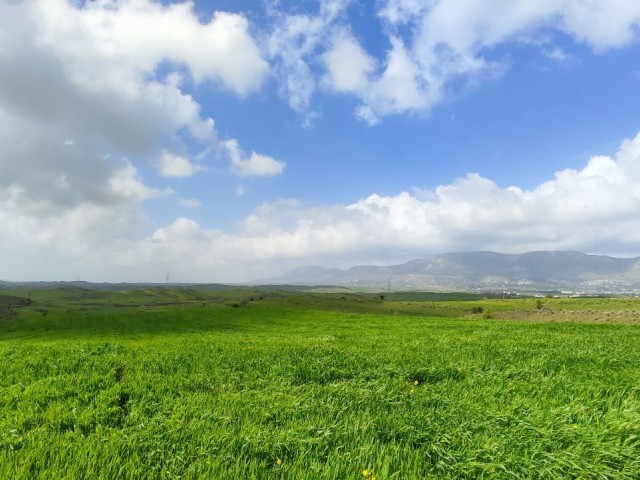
(189,383)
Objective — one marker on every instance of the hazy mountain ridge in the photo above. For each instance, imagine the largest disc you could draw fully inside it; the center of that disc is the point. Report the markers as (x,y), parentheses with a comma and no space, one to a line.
(573,271)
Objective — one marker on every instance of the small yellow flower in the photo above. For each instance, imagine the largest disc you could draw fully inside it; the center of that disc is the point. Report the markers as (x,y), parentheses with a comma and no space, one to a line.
(416,382)
(373,477)
(366,473)
(278,462)
(574,426)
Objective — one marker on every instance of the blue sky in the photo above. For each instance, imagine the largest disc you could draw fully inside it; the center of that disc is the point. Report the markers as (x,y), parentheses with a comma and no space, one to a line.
(235,140)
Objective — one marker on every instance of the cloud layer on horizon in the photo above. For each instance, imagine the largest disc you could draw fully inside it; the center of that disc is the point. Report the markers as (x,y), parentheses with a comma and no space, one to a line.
(594,209)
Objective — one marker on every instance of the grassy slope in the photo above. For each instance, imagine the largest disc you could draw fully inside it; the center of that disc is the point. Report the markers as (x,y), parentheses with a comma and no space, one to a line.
(326,383)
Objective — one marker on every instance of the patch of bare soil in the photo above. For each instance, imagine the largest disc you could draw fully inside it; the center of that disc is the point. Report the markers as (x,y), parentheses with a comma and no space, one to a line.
(580,316)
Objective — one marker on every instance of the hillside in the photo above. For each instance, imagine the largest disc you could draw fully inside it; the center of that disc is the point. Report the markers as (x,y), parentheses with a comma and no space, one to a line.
(571,271)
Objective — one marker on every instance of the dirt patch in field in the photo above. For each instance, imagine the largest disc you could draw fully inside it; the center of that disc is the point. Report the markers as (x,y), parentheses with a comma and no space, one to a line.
(580,316)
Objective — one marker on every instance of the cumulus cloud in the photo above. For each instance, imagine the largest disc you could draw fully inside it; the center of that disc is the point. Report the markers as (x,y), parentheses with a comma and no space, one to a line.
(170,165)
(256,165)
(348,65)
(126,183)
(106,75)
(133,37)
(398,89)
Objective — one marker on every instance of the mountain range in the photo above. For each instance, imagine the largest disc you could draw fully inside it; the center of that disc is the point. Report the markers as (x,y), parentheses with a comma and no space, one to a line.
(533,271)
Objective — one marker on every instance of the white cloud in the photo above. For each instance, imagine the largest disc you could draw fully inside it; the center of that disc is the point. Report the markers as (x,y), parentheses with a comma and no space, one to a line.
(190,202)
(134,36)
(402,11)
(125,183)
(170,165)
(558,54)
(348,65)
(256,165)
(105,73)
(294,43)
(601,24)
(398,89)
(240,190)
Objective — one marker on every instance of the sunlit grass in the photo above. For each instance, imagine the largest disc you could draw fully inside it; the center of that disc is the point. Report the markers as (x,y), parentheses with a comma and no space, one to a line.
(279,389)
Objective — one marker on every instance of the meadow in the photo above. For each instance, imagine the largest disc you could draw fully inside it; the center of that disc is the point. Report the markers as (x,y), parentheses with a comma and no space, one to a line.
(164,383)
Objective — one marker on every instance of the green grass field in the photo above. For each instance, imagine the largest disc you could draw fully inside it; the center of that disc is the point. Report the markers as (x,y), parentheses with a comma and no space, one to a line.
(185,383)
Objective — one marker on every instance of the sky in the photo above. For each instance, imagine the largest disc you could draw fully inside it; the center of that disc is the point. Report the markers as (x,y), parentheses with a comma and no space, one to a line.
(235,140)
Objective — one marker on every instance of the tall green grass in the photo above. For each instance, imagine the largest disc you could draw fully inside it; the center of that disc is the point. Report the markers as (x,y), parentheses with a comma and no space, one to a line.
(279,389)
